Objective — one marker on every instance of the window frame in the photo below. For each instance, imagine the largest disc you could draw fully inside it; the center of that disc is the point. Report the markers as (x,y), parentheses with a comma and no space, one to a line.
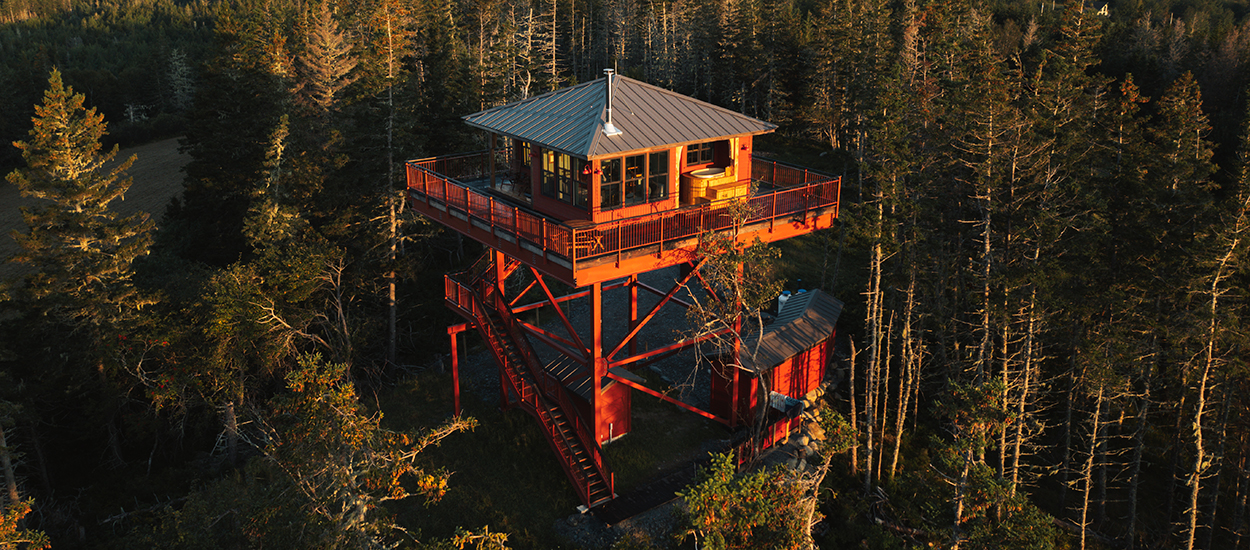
(633,180)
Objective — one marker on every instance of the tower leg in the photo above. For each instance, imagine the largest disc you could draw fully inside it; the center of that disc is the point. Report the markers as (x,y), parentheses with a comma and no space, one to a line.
(455,368)
(633,313)
(598,363)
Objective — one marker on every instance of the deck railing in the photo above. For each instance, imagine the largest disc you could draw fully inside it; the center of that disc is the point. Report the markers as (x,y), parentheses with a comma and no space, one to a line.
(791,191)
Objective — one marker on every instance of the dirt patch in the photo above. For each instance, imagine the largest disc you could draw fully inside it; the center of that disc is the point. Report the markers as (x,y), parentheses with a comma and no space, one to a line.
(157,172)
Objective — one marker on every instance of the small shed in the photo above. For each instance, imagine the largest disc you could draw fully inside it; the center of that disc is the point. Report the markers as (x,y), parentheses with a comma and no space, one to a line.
(790,359)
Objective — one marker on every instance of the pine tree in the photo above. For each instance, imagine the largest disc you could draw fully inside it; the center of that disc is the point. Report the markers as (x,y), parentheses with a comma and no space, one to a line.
(326,63)
(82,251)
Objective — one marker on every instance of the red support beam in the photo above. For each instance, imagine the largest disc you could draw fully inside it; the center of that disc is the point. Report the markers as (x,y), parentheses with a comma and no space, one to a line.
(455,370)
(565,347)
(661,293)
(677,286)
(559,311)
(633,316)
(651,392)
(671,347)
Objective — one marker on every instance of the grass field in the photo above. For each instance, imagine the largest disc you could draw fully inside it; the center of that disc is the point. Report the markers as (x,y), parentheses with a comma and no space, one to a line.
(157,174)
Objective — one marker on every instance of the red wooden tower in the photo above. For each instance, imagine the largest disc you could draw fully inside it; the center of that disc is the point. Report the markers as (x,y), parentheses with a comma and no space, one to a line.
(592,186)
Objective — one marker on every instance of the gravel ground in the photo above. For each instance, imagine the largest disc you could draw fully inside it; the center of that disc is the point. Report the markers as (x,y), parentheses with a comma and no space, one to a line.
(587,532)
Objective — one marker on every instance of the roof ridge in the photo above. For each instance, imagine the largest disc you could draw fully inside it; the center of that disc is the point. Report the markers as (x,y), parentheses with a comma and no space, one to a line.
(684,97)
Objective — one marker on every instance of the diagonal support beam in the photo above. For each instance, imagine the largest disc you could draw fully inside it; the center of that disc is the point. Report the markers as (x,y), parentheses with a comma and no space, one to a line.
(669,348)
(661,293)
(625,378)
(559,311)
(522,294)
(565,347)
(650,315)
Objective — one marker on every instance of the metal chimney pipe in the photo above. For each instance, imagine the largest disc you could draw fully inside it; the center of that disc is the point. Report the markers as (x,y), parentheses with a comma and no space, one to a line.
(608,128)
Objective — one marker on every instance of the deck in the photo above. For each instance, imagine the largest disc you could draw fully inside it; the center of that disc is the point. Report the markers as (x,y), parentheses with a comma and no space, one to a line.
(473,193)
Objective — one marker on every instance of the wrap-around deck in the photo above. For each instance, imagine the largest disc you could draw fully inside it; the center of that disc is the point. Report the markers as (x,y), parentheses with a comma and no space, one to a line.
(469,193)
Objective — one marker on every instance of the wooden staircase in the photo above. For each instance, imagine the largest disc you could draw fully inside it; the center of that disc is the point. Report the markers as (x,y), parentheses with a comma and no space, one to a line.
(472,294)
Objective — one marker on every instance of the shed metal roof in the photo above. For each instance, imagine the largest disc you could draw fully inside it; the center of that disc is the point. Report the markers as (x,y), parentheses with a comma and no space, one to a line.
(571,120)
(804,321)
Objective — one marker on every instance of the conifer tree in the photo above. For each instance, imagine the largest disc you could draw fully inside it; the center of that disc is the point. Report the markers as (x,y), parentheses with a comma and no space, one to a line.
(82,251)
(326,62)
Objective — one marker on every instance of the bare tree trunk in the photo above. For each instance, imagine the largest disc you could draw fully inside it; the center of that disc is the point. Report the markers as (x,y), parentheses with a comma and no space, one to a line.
(874,341)
(1087,474)
(232,434)
(1139,444)
(1209,363)
(1200,451)
(1066,465)
(6,464)
(960,488)
(1218,462)
(392,225)
(1025,389)
(883,394)
(909,360)
(1239,522)
(850,380)
(1005,398)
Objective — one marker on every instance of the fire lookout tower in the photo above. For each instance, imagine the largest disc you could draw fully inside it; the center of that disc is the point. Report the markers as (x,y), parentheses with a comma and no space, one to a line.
(593,185)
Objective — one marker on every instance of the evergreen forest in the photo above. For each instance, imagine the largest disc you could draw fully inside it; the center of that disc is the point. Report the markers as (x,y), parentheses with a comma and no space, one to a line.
(1040,248)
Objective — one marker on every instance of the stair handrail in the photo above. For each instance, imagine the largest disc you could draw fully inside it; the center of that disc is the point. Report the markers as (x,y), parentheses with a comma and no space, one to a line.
(535,400)
(547,384)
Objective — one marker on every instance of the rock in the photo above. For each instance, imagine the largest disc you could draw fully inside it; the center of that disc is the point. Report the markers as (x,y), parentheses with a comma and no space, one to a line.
(803,439)
(815,431)
(811,397)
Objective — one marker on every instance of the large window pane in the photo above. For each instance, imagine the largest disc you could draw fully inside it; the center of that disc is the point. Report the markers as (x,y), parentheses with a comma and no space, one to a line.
(658,178)
(635,175)
(610,195)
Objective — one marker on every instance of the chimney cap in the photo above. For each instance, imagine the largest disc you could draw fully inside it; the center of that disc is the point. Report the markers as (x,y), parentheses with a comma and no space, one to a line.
(609,129)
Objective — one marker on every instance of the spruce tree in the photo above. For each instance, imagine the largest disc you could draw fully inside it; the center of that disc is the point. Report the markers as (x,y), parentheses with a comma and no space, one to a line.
(82,251)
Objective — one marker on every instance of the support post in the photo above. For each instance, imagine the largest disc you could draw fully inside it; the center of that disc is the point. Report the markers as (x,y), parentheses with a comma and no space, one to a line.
(455,369)
(599,363)
(633,313)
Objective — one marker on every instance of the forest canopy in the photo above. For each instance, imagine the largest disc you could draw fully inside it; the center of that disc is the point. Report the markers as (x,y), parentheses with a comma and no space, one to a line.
(1041,252)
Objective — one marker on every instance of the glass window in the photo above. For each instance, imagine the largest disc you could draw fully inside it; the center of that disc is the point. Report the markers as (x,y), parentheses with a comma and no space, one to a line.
(523,156)
(658,179)
(610,184)
(563,179)
(635,179)
(549,175)
(699,153)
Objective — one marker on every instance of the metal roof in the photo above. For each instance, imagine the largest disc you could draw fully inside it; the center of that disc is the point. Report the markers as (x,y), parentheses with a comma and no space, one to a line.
(804,321)
(571,120)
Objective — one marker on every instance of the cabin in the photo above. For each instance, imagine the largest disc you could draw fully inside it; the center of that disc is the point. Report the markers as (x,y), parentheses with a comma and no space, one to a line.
(592,186)
(616,176)
(787,362)
(654,151)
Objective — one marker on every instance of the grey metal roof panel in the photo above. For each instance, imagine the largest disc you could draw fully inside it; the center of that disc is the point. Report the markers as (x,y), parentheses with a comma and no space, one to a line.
(804,321)
(571,120)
